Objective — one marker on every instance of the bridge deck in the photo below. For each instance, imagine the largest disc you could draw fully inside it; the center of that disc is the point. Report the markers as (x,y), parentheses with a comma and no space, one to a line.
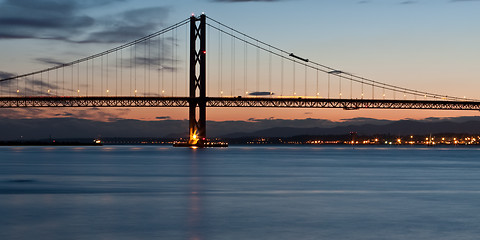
(277,102)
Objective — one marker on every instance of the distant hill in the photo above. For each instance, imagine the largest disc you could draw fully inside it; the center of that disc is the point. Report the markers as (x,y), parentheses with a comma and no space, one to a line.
(28,129)
(403,127)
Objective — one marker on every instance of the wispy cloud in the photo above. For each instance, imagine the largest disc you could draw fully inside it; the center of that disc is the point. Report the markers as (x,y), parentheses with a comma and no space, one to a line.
(163,118)
(49,61)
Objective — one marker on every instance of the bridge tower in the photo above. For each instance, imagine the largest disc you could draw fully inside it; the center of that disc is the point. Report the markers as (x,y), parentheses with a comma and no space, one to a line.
(198,68)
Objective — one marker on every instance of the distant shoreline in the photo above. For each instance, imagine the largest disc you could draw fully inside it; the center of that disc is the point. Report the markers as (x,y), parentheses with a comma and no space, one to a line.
(42,143)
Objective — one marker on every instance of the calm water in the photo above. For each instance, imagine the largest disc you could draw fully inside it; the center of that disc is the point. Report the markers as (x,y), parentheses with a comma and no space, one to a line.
(151,192)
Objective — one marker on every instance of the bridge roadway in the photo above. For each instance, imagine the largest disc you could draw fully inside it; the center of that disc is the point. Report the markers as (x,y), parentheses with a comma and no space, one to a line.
(277,102)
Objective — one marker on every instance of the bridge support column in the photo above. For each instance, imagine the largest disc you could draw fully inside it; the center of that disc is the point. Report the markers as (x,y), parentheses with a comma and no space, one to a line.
(198,67)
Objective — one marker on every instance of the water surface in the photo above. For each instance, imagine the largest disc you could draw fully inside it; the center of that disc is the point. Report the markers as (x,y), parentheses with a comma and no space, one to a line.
(272,192)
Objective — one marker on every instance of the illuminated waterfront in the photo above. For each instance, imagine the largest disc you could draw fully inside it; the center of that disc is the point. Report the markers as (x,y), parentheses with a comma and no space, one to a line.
(268,192)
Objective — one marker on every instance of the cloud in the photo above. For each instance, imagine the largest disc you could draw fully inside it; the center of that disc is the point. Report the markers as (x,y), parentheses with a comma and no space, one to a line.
(64,114)
(163,118)
(67,21)
(49,61)
(4,75)
(21,113)
(33,87)
(465,0)
(128,25)
(48,19)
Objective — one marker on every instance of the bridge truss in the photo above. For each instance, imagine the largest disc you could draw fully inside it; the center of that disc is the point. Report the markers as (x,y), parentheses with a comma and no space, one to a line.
(240,102)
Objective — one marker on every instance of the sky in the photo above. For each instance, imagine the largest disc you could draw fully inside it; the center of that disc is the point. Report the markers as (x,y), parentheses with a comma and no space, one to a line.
(428,45)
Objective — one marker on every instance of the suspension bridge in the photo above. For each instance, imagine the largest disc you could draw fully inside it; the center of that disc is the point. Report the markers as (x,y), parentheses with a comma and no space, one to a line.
(169,68)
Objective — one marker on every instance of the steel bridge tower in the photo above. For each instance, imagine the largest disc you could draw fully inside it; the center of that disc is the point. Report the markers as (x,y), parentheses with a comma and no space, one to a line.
(198,68)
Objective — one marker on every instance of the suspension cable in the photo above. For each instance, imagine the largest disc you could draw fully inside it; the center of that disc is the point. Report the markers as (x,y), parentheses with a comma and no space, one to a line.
(327,69)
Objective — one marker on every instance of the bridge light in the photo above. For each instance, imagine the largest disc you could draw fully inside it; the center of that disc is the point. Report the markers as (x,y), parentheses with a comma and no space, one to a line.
(108,91)
(204,52)
(48,91)
(18,91)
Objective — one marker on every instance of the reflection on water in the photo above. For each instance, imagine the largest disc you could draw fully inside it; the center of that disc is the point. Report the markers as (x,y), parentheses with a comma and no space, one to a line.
(195,205)
(152,192)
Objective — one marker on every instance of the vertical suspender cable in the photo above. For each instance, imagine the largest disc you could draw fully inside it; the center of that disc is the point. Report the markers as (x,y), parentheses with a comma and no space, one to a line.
(257,87)
(245,70)
(146,62)
(340,86)
(232,86)
(106,76)
(220,61)
(48,83)
(163,66)
(173,59)
(328,95)
(186,60)
(306,80)
(86,91)
(294,87)
(72,79)
(116,73)
(101,76)
(159,68)
(121,71)
(78,79)
(149,65)
(135,63)
(362,89)
(176,61)
(209,82)
(270,72)
(373,90)
(351,87)
(281,77)
(131,70)
(92,75)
